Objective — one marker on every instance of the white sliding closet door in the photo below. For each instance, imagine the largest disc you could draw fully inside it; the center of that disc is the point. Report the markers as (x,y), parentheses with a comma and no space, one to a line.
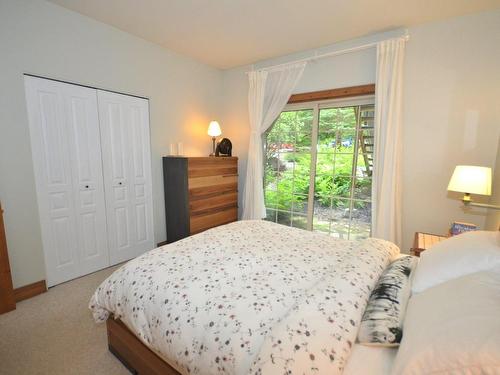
(124,125)
(64,131)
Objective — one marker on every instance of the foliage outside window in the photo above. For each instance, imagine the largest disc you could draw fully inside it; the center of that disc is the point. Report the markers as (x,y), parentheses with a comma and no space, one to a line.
(318,166)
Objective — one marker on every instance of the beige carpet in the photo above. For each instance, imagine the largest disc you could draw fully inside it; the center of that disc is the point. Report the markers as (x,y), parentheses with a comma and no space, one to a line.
(54,333)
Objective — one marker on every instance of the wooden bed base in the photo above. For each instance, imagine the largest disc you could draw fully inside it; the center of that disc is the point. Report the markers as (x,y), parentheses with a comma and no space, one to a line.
(136,356)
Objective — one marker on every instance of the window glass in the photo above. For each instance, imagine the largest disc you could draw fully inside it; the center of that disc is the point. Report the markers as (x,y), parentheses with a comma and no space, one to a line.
(341,149)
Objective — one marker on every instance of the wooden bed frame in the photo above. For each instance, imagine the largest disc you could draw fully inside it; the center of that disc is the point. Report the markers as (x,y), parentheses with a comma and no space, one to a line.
(134,355)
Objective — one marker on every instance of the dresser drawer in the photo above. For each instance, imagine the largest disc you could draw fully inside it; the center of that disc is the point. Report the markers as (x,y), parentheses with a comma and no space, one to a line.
(207,181)
(212,202)
(202,167)
(199,223)
(213,189)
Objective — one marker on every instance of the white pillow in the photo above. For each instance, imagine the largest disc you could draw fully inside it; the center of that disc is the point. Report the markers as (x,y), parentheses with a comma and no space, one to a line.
(457,256)
(453,328)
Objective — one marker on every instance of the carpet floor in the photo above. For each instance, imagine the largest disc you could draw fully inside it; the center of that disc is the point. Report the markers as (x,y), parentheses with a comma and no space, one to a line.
(54,333)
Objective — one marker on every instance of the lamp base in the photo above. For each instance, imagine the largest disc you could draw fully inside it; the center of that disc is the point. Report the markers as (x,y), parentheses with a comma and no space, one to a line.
(213,147)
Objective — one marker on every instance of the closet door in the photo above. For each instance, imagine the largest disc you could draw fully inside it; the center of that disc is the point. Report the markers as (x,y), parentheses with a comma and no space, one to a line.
(88,185)
(64,131)
(124,125)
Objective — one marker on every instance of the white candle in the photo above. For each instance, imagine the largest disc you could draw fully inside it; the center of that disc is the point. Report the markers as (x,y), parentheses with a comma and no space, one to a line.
(180,148)
(173,149)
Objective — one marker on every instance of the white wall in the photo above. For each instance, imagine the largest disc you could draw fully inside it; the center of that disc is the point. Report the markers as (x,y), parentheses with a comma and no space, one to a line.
(451,111)
(42,38)
(451,115)
(493,219)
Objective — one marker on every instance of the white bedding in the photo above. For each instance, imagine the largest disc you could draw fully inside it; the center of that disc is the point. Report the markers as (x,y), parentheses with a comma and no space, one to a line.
(370,360)
(248,297)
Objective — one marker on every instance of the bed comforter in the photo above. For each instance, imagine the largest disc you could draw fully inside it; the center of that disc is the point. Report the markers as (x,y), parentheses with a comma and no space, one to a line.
(248,297)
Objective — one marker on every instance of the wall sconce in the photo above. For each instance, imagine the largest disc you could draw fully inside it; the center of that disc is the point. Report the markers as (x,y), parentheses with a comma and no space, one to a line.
(469,179)
(213,131)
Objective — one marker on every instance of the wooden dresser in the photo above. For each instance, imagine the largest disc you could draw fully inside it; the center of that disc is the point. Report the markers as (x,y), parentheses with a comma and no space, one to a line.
(200,193)
(7,301)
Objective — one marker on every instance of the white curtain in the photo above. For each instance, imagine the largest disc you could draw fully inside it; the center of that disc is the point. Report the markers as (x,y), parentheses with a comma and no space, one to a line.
(386,188)
(268,94)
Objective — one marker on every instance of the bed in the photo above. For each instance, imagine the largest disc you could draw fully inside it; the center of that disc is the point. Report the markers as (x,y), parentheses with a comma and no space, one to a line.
(138,358)
(247,297)
(254,297)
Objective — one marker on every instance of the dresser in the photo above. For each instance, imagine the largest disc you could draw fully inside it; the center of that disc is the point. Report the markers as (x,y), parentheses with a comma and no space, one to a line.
(200,193)
(7,302)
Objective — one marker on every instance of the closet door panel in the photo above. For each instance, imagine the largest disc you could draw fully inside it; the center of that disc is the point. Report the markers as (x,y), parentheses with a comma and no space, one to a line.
(50,150)
(113,133)
(64,131)
(88,187)
(127,174)
(141,173)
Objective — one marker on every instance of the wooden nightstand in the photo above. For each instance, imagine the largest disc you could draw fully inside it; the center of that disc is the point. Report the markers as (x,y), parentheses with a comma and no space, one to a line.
(425,240)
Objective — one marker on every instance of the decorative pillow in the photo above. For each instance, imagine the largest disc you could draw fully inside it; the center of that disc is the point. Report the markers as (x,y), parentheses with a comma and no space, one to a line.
(453,328)
(455,257)
(382,321)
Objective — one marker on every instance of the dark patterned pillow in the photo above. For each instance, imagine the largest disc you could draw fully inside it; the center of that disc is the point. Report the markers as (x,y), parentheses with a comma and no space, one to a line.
(382,321)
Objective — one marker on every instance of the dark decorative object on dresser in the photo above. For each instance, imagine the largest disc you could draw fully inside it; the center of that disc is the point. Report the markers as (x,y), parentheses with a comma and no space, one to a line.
(224,147)
(200,193)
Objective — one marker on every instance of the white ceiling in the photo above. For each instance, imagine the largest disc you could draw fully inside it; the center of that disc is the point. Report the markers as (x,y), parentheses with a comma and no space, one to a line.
(229,33)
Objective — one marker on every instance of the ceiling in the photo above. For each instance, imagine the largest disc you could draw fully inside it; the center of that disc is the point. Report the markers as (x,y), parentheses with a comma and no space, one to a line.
(229,33)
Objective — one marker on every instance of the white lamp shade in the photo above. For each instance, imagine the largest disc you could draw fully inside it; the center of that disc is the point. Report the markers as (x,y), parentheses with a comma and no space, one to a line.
(214,129)
(471,179)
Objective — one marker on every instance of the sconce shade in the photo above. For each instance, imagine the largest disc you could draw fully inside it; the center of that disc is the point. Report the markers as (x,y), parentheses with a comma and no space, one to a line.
(471,179)
(214,129)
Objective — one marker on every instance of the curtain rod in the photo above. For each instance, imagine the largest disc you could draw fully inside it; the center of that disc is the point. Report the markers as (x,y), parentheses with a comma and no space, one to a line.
(361,47)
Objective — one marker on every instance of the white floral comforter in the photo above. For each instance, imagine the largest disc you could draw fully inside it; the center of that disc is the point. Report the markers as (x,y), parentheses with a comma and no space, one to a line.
(248,297)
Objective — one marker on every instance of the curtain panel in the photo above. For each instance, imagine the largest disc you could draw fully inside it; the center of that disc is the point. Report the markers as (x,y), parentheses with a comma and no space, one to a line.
(269,91)
(386,185)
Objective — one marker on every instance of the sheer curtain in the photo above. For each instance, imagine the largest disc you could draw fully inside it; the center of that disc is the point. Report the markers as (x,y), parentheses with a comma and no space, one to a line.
(386,187)
(268,94)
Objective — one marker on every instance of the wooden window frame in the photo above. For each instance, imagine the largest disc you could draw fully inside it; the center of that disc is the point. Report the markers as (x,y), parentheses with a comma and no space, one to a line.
(344,92)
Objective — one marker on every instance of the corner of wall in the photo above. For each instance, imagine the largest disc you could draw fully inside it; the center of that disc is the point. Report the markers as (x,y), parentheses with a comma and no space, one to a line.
(493,219)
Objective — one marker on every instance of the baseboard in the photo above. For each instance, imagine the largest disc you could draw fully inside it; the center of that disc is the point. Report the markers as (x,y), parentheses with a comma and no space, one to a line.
(163,243)
(30,290)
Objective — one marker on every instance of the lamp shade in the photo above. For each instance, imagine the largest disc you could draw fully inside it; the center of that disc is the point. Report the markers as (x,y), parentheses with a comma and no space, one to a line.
(471,179)
(214,129)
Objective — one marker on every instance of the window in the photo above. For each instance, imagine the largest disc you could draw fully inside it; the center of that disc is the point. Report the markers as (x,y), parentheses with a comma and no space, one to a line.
(318,167)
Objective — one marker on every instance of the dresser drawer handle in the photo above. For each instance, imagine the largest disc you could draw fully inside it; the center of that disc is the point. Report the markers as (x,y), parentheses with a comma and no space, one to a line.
(229,175)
